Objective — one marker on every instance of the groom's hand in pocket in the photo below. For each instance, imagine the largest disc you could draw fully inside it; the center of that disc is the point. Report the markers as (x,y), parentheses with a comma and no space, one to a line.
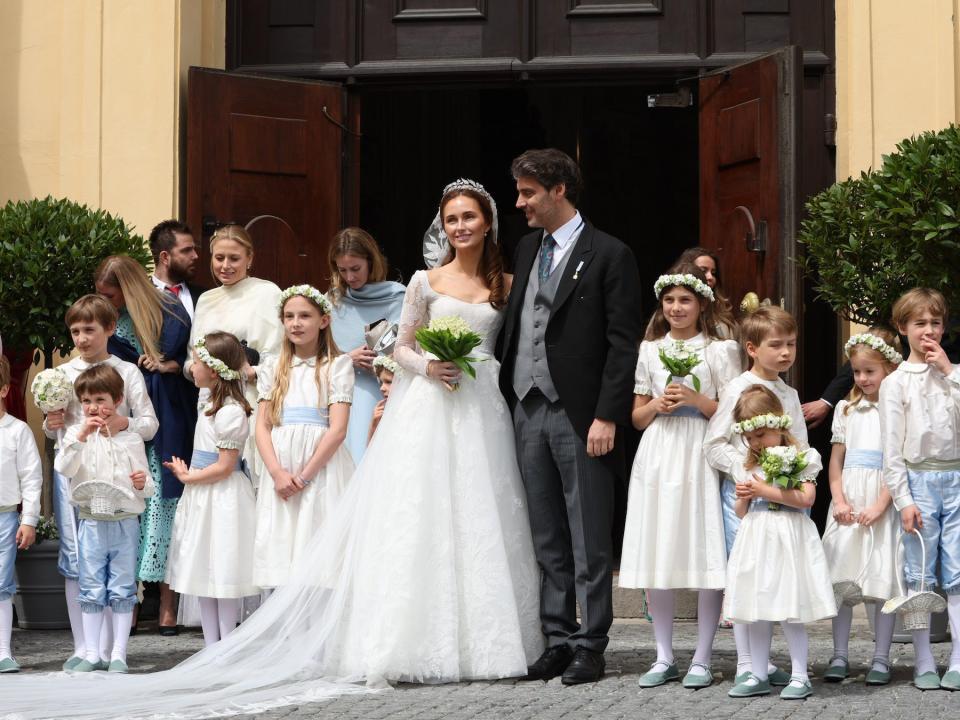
(600,437)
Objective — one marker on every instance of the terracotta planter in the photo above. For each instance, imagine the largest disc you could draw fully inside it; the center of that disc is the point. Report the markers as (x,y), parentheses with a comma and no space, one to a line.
(40,600)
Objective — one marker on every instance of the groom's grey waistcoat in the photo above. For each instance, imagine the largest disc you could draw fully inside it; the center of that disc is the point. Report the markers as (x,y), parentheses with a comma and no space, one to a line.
(531,366)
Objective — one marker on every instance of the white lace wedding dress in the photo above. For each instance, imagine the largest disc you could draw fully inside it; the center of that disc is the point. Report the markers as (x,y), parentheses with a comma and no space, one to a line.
(424,573)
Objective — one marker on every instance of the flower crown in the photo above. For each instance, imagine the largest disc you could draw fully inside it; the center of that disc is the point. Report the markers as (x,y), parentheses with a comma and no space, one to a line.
(775,422)
(387,363)
(874,343)
(687,280)
(215,364)
(309,292)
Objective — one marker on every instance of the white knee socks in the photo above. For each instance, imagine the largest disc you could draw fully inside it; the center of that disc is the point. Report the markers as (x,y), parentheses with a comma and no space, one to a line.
(661,610)
(6,627)
(106,634)
(841,634)
(121,623)
(228,611)
(760,634)
(92,623)
(709,604)
(923,661)
(796,635)
(71,589)
(741,637)
(209,620)
(953,611)
(883,630)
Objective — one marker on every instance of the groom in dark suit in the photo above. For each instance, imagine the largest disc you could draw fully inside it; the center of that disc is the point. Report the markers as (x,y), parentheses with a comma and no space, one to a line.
(568,351)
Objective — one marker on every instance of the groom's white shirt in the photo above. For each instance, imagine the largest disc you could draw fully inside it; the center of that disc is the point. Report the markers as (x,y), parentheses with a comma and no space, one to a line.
(565,237)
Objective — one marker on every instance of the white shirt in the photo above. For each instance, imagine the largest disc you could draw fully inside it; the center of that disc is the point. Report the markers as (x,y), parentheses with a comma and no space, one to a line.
(136,403)
(724,449)
(186,299)
(566,237)
(919,420)
(20,475)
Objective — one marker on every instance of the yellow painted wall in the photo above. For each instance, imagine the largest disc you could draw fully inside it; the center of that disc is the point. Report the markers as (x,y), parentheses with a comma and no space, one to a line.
(898,74)
(93,100)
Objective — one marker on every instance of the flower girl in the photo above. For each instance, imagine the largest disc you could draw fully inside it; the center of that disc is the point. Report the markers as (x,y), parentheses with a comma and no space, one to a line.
(674,528)
(301,425)
(777,571)
(211,549)
(860,541)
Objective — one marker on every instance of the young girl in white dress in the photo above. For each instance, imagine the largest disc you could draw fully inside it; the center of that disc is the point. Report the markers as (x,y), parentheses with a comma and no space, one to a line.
(305,401)
(211,549)
(674,529)
(777,571)
(860,540)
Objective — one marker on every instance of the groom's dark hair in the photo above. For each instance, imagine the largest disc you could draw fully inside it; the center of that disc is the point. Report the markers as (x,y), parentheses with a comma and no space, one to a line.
(550,167)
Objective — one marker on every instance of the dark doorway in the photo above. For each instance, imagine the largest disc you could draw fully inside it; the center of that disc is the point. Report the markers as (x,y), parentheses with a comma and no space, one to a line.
(639,164)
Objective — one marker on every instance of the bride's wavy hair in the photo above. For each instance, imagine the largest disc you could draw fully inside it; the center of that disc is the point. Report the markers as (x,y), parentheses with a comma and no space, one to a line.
(327,350)
(491,262)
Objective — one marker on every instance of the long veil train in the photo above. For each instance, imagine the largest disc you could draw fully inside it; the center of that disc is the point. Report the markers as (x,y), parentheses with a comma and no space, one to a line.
(382,596)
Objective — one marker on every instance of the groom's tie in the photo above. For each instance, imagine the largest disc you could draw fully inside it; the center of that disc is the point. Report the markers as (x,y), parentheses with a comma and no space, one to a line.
(546,257)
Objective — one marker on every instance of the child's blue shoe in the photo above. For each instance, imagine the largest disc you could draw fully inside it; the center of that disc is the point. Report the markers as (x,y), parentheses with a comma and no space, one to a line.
(750,688)
(798,689)
(950,680)
(779,678)
(9,665)
(927,681)
(837,671)
(117,666)
(653,678)
(695,681)
(72,662)
(86,666)
(879,677)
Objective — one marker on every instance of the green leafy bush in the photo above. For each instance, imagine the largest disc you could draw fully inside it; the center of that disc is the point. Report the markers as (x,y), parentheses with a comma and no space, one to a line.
(869,239)
(49,249)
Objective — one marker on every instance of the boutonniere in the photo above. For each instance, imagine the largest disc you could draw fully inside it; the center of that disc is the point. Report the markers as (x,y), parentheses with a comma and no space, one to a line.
(576,273)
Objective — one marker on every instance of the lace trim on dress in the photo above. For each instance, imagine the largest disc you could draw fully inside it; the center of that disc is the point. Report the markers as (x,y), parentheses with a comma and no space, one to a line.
(413,315)
(229,445)
(641,389)
(340,398)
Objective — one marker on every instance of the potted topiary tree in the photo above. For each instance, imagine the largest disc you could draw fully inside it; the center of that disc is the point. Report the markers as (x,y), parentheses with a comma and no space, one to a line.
(866,240)
(49,250)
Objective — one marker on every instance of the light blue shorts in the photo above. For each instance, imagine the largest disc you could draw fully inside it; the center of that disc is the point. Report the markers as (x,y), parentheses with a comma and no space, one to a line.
(9,524)
(108,564)
(937,495)
(67,520)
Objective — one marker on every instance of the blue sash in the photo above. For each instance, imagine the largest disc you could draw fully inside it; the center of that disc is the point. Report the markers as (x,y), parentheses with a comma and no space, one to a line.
(759,505)
(204,458)
(685,411)
(304,415)
(869,459)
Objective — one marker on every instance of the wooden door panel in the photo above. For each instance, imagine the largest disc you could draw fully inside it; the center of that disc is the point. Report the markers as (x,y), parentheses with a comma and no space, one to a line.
(748,120)
(264,153)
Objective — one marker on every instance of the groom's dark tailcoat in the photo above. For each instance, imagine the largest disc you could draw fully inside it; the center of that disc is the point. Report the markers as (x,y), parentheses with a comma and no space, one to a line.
(591,343)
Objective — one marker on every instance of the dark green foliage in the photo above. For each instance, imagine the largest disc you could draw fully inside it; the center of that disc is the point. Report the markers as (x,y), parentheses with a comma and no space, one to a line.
(49,249)
(869,239)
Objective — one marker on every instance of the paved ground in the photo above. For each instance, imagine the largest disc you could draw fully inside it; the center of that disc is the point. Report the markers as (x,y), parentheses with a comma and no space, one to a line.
(616,696)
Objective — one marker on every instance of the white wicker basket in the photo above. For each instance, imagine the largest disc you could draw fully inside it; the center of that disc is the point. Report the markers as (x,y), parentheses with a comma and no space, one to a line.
(914,609)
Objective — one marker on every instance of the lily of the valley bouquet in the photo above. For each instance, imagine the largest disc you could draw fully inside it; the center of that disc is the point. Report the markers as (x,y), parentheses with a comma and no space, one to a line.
(451,340)
(680,359)
(782,467)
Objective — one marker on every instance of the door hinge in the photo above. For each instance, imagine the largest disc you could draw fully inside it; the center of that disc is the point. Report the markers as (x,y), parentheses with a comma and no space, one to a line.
(680,99)
(830,130)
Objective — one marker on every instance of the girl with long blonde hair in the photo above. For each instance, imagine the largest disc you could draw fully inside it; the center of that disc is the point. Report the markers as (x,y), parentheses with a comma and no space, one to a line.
(305,399)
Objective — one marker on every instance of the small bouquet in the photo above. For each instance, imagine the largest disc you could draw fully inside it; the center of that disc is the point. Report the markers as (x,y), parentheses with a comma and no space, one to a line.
(52,390)
(782,466)
(451,340)
(680,359)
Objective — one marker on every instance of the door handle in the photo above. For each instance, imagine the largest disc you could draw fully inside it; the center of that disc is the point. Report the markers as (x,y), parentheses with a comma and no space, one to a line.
(209,225)
(756,237)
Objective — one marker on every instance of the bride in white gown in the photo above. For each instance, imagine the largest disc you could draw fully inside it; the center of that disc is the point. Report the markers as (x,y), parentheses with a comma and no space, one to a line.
(425,572)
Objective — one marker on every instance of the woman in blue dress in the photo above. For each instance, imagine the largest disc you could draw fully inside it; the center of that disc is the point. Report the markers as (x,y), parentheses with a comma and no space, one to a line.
(153,332)
(361,295)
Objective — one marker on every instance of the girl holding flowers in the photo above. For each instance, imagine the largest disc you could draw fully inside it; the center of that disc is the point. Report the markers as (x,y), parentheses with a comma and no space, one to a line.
(211,550)
(777,571)
(860,541)
(674,529)
(305,399)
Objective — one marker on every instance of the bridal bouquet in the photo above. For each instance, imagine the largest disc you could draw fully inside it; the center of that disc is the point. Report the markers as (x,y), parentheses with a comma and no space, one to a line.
(451,340)
(782,466)
(680,359)
(51,390)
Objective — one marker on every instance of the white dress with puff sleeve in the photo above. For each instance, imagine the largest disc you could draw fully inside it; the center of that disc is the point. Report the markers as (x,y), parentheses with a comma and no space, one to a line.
(211,548)
(285,527)
(674,529)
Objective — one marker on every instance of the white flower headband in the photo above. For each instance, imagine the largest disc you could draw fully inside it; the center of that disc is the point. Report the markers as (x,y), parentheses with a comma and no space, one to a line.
(387,363)
(687,280)
(215,364)
(874,343)
(309,292)
(776,422)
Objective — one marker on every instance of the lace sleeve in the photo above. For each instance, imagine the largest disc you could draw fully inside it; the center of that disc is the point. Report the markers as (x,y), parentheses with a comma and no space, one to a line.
(412,316)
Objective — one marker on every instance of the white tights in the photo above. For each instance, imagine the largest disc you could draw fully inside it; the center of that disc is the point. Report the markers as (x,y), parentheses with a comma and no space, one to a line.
(662,605)
(71,589)
(882,628)
(218,617)
(6,627)
(761,634)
